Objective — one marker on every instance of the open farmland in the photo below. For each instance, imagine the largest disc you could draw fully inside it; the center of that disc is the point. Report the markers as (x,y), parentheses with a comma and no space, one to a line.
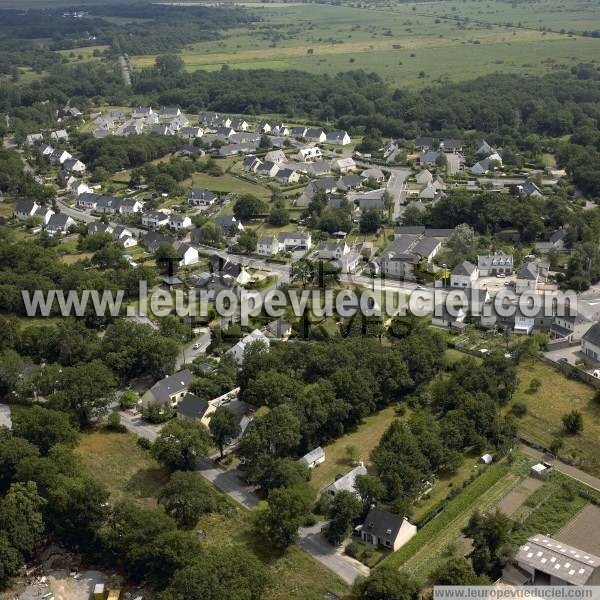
(409,44)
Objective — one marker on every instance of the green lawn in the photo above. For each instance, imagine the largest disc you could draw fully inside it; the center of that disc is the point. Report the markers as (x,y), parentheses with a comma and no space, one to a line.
(127,470)
(556,396)
(227,183)
(365,438)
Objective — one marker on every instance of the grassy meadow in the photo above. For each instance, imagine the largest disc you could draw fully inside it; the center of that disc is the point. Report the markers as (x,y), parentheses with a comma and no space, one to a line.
(407,44)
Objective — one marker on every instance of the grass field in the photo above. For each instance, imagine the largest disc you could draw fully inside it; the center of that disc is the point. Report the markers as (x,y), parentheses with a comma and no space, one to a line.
(556,396)
(227,183)
(407,44)
(127,470)
(365,438)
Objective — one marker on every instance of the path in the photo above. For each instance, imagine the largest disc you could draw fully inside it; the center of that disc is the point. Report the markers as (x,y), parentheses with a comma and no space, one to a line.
(564,468)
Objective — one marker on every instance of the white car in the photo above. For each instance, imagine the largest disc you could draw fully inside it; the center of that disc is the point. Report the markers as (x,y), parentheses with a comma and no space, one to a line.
(196,346)
(501,276)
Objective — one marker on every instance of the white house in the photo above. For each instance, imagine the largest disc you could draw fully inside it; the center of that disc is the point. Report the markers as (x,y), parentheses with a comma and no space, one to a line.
(343,165)
(287,176)
(590,342)
(34,138)
(382,528)
(178,222)
(464,275)
(59,156)
(237,352)
(155,219)
(347,482)
(294,240)
(191,133)
(527,278)
(79,187)
(201,197)
(88,200)
(313,458)
(59,136)
(338,138)
(188,254)
(267,245)
(59,224)
(308,154)
(315,135)
(25,209)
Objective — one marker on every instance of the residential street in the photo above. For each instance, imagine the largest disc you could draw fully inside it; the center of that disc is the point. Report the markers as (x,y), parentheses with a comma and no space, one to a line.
(188,353)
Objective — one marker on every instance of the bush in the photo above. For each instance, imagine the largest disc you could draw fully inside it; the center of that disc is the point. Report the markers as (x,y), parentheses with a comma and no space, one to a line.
(519,409)
(144,443)
(113,423)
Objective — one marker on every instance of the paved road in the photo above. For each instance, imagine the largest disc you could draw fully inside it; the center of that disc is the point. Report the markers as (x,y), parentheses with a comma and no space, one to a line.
(188,353)
(397,189)
(78,215)
(562,467)
(229,482)
(346,568)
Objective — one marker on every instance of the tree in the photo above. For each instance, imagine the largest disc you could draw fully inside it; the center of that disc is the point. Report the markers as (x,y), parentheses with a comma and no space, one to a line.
(181,443)
(212,234)
(186,497)
(279,216)
(86,390)
(370,489)
(247,240)
(573,422)
(169,65)
(370,221)
(457,570)
(44,427)
(167,258)
(221,573)
(491,549)
(344,509)
(286,511)
(223,426)
(10,560)
(248,207)
(387,583)
(21,516)
(352,453)
(462,240)
(13,450)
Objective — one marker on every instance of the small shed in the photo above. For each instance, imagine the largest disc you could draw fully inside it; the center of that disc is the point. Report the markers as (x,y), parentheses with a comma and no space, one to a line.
(539,471)
(487,459)
(314,457)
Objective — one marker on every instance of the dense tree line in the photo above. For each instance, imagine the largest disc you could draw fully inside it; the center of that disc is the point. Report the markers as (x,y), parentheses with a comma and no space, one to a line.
(316,392)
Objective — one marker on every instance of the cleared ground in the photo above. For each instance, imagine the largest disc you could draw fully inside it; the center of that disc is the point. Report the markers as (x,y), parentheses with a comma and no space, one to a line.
(583,531)
(515,498)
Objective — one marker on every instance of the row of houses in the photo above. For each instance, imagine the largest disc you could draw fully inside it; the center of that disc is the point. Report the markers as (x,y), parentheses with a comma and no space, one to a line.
(50,221)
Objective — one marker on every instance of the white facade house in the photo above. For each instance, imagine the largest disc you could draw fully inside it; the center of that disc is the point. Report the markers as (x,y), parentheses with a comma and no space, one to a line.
(155,219)
(309,154)
(464,275)
(238,351)
(527,278)
(188,255)
(294,240)
(338,138)
(178,222)
(382,528)
(267,245)
(590,342)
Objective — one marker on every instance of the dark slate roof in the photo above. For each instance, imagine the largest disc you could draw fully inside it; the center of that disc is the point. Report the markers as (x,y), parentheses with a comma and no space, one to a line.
(192,407)
(592,335)
(172,384)
(528,271)
(382,524)
(424,141)
(464,268)
(57,221)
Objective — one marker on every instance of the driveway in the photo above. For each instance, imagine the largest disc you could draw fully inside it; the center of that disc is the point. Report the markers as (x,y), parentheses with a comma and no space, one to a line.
(345,567)
(228,482)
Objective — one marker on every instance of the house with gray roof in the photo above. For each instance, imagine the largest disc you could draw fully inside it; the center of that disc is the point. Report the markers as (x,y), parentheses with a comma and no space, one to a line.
(590,342)
(451,145)
(314,134)
(59,224)
(402,257)
(338,138)
(349,182)
(201,197)
(495,264)
(346,482)
(385,529)
(429,158)
(170,390)
(313,458)
(464,275)
(424,143)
